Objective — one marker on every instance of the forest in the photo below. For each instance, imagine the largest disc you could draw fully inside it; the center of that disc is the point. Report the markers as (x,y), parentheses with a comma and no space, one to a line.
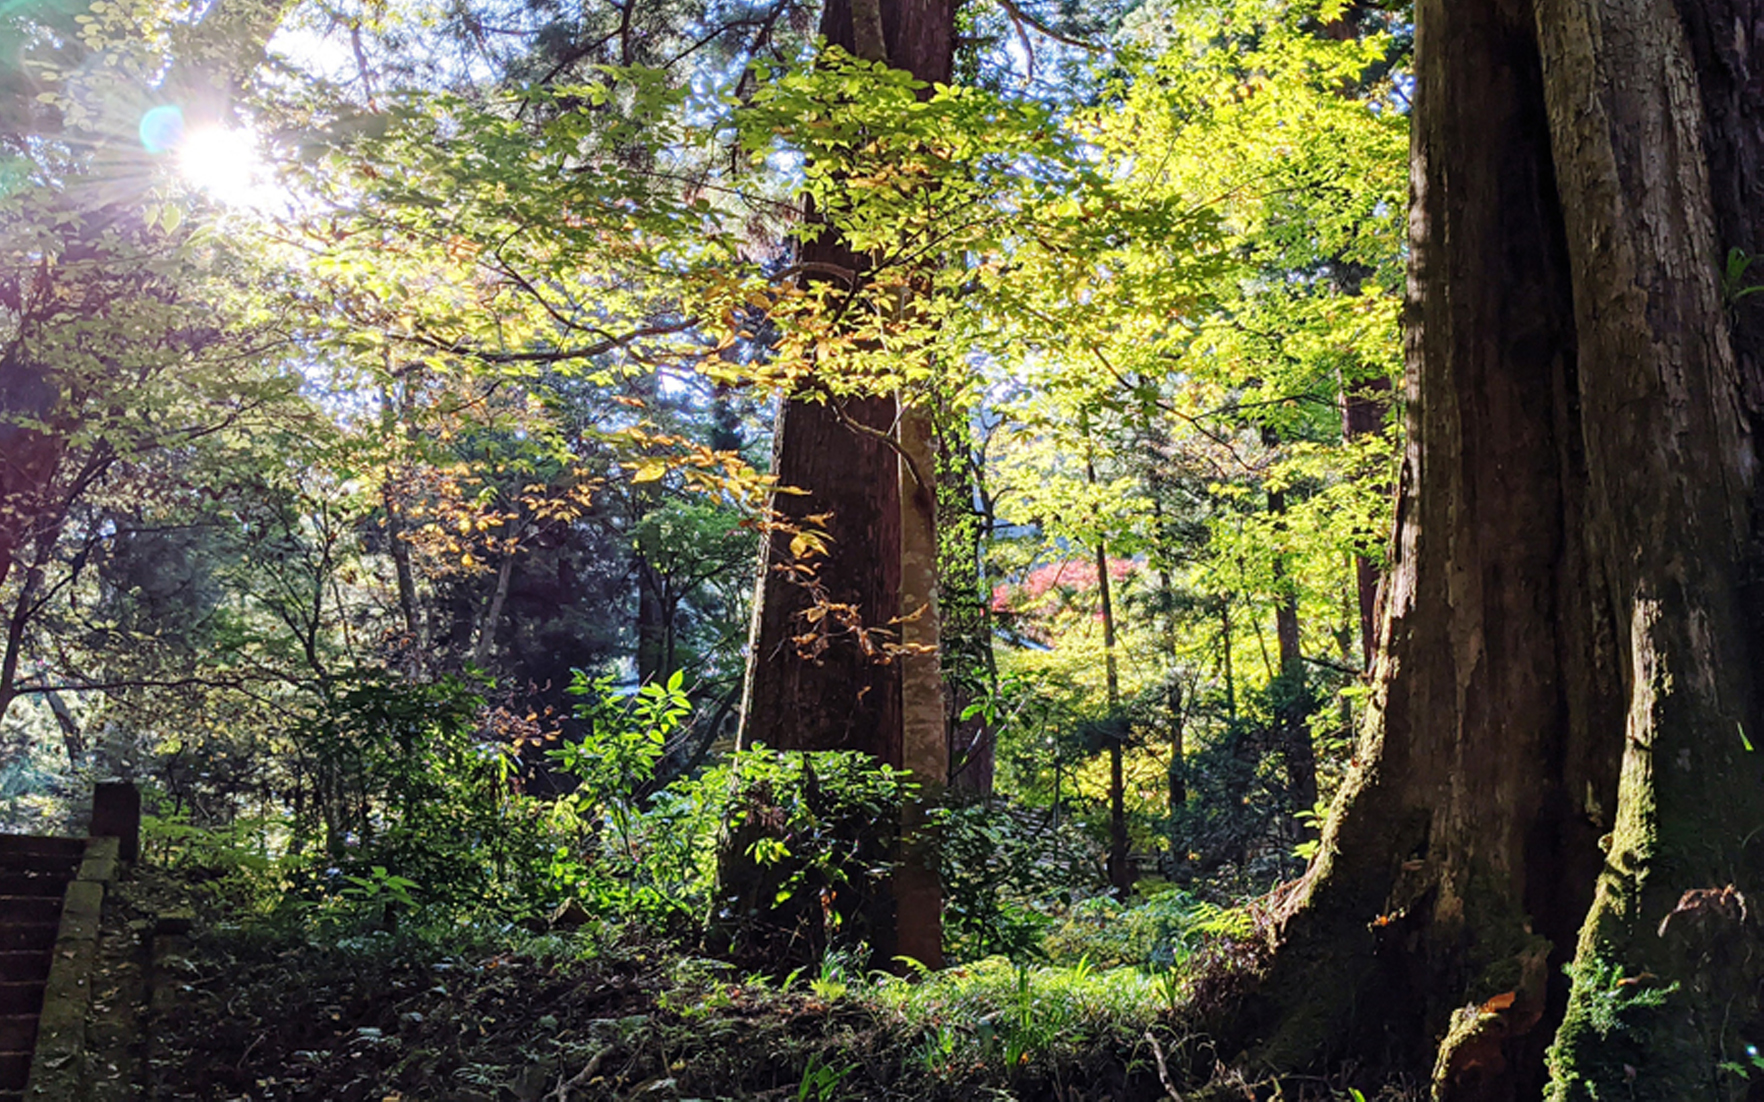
(892,549)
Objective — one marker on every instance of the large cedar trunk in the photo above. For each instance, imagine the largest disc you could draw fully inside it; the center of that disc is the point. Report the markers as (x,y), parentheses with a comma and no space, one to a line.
(842,698)
(1556,760)
(880,524)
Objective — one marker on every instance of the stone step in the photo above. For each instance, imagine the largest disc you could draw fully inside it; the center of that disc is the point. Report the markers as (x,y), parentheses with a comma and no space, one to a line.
(15,1070)
(24,966)
(32,883)
(40,864)
(12,845)
(29,910)
(21,998)
(18,1032)
(39,936)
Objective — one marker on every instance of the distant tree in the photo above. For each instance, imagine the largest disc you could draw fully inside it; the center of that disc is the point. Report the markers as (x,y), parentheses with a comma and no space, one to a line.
(130,343)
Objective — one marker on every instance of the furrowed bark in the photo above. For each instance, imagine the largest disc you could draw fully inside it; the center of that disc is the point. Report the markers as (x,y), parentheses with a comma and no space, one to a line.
(918,895)
(1459,857)
(1559,760)
(1671,470)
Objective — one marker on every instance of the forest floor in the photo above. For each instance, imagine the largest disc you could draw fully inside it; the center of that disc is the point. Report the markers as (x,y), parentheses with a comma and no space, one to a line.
(275,1015)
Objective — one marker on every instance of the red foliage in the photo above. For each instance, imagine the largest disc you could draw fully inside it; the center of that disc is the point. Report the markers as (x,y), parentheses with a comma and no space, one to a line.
(1056,585)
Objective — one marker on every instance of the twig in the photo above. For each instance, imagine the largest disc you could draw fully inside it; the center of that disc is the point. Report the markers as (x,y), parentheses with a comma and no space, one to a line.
(1163,1072)
(564,1086)
(887,439)
(1336,666)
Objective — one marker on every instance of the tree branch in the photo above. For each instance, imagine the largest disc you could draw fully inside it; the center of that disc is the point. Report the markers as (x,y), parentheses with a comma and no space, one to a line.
(1018,15)
(549,356)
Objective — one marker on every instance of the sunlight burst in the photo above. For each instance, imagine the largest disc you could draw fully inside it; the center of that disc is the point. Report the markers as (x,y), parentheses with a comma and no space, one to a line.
(227,164)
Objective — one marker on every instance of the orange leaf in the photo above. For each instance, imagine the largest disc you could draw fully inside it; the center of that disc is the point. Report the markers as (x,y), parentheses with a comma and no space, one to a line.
(1499,1002)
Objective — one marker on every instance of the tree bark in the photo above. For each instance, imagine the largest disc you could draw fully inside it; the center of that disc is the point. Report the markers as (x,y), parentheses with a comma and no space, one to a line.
(1293,700)
(1177,773)
(918,896)
(1364,405)
(843,453)
(1460,856)
(1672,466)
(1557,766)
(493,613)
(1120,867)
(652,623)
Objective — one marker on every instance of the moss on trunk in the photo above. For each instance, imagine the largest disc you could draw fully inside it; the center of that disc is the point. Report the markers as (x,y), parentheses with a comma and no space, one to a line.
(1556,769)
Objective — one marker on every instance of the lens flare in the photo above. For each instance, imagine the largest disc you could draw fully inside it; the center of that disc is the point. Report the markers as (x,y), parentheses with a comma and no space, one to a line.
(162,129)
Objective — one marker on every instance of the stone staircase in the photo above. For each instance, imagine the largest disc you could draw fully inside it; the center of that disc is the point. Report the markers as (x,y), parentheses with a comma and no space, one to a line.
(34,875)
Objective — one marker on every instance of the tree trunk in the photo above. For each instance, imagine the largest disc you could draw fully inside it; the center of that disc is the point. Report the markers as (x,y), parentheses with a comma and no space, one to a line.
(652,624)
(1120,867)
(1420,897)
(847,695)
(1672,465)
(1364,404)
(1178,769)
(1556,767)
(394,418)
(1292,697)
(493,614)
(1225,666)
(918,896)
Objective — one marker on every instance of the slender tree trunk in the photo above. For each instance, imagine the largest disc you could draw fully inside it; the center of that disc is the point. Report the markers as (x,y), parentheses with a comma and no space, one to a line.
(1293,698)
(1225,663)
(393,418)
(401,566)
(969,668)
(29,458)
(71,736)
(1120,866)
(1178,770)
(1177,773)
(653,619)
(493,614)
(1364,405)
(652,624)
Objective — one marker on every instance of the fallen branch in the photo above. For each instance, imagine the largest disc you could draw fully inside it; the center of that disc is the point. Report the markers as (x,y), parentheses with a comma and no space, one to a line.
(580,1079)
(1163,1072)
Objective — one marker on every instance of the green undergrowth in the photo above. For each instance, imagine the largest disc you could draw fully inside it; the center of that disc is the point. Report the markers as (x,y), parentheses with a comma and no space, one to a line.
(584,1016)
(453,1010)
(370,994)
(595,1014)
